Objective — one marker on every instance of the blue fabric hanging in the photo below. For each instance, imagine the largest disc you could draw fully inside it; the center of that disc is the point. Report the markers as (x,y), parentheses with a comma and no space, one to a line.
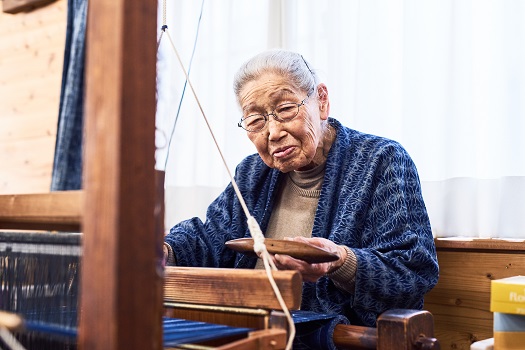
(67,163)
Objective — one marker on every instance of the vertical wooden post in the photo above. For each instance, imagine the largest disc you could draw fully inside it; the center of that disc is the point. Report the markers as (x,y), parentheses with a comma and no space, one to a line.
(405,329)
(121,293)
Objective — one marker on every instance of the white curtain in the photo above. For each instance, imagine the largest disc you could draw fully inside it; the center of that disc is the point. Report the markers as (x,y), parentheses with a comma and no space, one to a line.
(444,78)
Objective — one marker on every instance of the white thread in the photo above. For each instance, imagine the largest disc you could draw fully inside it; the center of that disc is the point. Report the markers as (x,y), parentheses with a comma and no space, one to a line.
(10,339)
(160,38)
(258,237)
(164,13)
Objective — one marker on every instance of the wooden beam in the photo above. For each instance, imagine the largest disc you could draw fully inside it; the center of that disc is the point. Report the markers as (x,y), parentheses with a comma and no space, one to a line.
(60,211)
(121,293)
(15,6)
(231,287)
(355,337)
(481,244)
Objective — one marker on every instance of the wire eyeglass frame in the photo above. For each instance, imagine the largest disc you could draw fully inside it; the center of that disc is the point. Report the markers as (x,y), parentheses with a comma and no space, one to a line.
(256,120)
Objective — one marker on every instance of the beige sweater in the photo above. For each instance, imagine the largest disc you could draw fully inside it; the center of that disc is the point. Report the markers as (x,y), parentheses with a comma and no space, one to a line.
(293,215)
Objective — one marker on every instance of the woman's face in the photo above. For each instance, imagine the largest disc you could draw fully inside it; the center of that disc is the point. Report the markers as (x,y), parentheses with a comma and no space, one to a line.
(285,146)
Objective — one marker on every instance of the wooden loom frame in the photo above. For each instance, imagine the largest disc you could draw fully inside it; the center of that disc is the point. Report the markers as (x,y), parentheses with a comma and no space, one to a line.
(121,292)
(123,309)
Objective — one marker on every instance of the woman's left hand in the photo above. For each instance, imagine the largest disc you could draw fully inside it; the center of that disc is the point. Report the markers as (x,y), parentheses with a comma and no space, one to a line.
(312,272)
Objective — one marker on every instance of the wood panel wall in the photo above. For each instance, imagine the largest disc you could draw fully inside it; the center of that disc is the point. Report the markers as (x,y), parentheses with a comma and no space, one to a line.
(31,59)
(460,302)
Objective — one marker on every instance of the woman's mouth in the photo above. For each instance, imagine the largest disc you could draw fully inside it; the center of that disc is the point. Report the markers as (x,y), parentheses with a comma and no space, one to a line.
(283,152)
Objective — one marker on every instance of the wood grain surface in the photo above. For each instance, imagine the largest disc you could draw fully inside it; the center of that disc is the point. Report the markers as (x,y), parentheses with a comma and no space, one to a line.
(231,287)
(54,211)
(297,250)
(460,302)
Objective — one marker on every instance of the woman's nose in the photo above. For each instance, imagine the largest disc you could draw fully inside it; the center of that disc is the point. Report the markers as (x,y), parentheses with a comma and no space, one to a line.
(275,128)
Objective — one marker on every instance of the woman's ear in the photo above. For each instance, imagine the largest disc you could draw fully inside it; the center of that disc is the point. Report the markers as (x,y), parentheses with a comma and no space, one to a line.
(323,100)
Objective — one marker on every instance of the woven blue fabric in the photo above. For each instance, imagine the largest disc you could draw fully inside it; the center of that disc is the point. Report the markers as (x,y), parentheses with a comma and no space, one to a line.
(370,201)
(314,331)
(175,331)
(179,331)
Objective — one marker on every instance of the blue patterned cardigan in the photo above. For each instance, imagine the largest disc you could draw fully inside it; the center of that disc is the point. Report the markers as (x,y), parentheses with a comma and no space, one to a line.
(370,201)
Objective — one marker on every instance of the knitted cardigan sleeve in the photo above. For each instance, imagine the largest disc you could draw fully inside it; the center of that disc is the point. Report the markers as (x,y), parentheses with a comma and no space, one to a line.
(201,244)
(372,203)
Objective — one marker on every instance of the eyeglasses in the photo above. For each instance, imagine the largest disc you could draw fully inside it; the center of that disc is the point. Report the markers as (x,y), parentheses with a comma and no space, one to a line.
(282,113)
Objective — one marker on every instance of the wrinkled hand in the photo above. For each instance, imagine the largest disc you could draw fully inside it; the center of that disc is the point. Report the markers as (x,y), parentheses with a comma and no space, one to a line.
(312,272)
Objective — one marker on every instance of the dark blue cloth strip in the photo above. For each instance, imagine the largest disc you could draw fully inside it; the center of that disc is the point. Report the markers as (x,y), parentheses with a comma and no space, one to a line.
(179,331)
(176,331)
(314,331)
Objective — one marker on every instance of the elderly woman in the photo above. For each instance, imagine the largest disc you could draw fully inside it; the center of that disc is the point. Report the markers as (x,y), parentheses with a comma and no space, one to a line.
(313,179)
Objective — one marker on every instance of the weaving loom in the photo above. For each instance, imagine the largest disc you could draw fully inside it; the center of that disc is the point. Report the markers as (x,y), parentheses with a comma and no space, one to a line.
(39,279)
(40,274)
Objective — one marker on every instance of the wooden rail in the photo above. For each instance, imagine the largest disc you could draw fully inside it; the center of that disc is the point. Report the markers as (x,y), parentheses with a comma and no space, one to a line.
(60,211)
(480,244)
(231,287)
